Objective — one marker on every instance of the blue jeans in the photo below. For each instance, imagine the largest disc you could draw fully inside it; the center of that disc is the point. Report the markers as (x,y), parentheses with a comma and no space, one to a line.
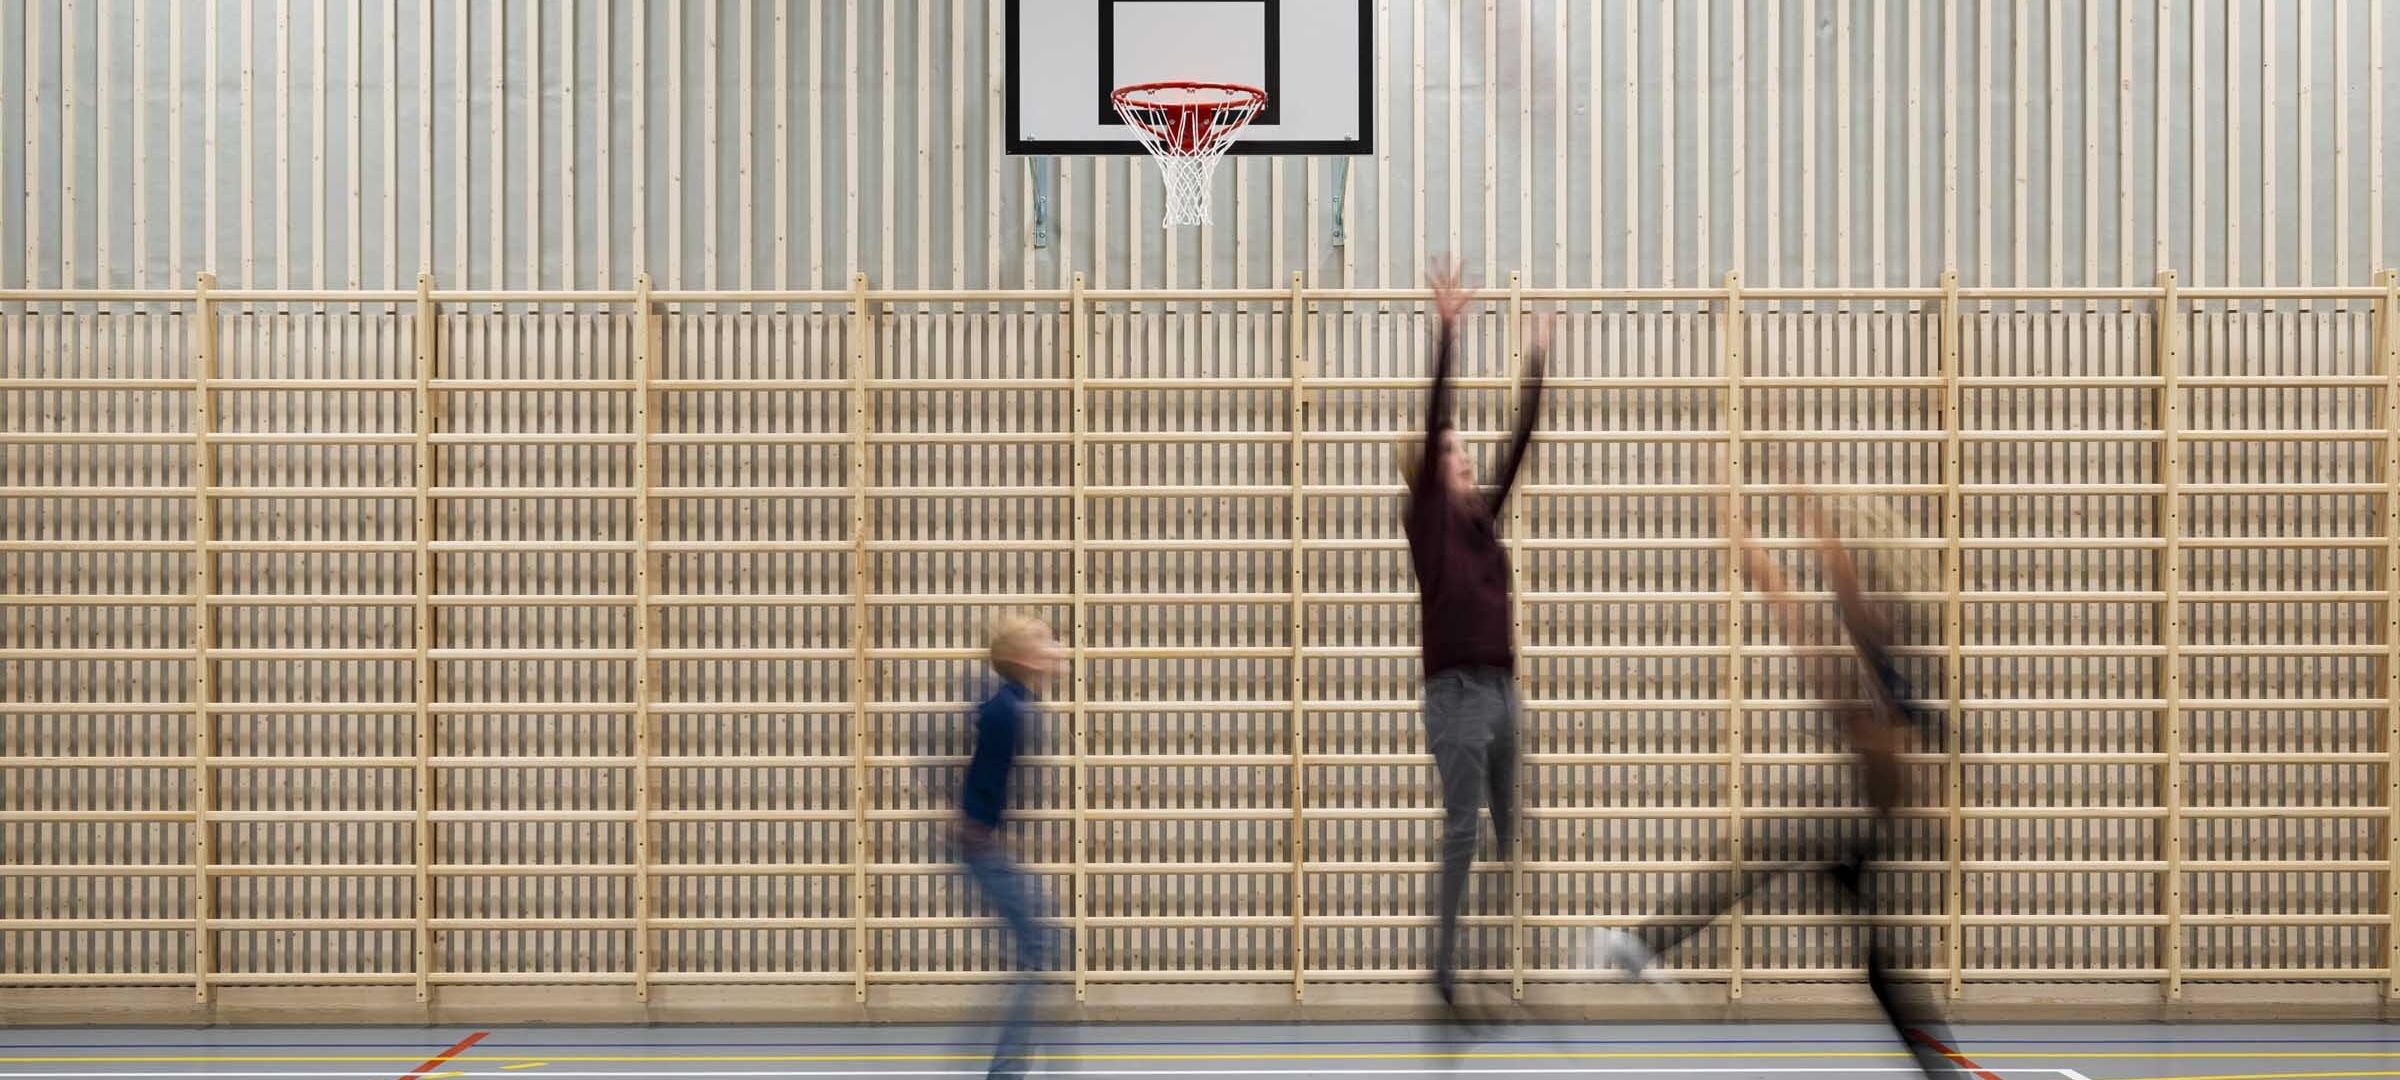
(1011,895)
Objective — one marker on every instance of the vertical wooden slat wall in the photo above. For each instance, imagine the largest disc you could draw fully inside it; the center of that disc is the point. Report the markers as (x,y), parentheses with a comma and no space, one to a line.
(626,156)
(436,638)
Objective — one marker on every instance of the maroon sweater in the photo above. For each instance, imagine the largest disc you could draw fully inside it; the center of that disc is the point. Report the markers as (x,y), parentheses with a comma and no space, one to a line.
(1454,542)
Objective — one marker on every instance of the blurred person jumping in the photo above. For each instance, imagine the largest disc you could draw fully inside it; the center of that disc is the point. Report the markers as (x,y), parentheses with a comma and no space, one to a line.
(1875,711)
(1026,658)
(1462,576)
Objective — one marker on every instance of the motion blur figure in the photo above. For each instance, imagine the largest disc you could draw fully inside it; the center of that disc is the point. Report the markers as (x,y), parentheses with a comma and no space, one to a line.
(1026,659)
(1462,585)
(1875,711)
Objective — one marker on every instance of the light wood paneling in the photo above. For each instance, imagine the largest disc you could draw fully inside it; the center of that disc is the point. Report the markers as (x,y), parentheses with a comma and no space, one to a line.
(625,638)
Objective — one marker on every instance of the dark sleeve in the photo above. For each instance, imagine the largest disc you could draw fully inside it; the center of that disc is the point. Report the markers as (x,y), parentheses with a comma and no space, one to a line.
(1428,498)
(986,792)
(1437,409)
(1529,409)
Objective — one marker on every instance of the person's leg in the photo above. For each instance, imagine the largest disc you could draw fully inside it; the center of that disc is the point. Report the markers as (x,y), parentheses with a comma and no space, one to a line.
(1707,895)
(1458,734)
(1011,896)
(1032,959)
(1500,766)
(1915,1021)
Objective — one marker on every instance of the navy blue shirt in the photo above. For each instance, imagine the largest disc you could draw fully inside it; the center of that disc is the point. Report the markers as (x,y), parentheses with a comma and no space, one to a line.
(1002,724)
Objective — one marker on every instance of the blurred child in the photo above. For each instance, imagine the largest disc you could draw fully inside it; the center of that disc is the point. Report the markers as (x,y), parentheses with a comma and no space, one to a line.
(1026,658)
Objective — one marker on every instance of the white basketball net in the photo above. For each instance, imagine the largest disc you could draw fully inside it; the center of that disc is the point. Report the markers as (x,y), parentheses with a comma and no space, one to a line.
(1188,127)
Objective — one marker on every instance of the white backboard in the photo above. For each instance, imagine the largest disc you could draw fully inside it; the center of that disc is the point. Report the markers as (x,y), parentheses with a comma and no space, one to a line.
(1310,56)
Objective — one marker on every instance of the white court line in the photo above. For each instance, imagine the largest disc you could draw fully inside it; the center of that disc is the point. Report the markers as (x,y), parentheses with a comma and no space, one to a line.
(1461,1070)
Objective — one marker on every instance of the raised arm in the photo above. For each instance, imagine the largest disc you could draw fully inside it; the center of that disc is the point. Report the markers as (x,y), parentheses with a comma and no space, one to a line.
(1877,741)
(1822,672)
(1449,300)
(1529,406)
(1862,617)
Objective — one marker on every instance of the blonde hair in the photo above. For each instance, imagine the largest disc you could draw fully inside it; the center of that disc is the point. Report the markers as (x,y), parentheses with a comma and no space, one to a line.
(1010,632)
(1409,456)
(1908,569)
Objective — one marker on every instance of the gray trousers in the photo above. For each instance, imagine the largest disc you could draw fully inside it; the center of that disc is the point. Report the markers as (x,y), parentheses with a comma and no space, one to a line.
(1471,726)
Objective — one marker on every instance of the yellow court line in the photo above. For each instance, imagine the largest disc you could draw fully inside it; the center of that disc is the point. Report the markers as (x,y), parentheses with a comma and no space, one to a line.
(527,1065)
(1326,1056)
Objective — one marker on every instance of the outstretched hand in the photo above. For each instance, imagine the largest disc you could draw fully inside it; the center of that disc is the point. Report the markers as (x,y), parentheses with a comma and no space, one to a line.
(1449,297)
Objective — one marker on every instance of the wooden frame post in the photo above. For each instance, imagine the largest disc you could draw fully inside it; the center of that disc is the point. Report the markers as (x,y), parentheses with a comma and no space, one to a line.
(1954,631)
(862,330)
(1734,353)
(2170,616)
(1298,421)
(649,346)
(427,359)
(204,631)
(1516,588)
(1079,325)
(2387,350)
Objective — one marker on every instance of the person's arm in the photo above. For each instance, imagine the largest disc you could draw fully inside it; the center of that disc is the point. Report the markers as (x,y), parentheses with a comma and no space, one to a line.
(1767,579)
(1862,617)
(1430,475)
(1449,300)
(1820,673)
(1529,406)
(1878,742)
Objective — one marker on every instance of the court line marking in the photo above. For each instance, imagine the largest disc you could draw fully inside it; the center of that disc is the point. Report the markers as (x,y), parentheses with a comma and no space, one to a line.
(812,1074)
(935,1058)
(1953,1056)
(443,1058)
(901,1059)
(1531,1037)
(2277,1076)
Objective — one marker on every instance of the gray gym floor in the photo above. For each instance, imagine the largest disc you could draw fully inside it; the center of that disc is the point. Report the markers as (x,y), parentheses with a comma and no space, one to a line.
(1618,1051)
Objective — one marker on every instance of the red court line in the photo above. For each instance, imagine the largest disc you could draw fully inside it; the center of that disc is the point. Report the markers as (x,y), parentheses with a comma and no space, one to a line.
(444,1057)
(1956,1058)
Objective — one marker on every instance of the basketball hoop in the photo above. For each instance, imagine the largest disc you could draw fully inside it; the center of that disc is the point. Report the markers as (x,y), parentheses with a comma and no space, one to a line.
(1188,126)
